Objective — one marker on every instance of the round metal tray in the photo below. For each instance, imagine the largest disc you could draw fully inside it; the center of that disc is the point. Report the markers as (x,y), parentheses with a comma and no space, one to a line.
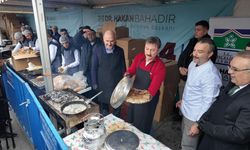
(121,91)
(122,140)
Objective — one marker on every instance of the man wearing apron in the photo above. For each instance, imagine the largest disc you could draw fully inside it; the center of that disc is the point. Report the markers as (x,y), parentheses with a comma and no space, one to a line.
(149,73)
(20,41)
(107,69)
(70,57)
(31,40)
(54,52)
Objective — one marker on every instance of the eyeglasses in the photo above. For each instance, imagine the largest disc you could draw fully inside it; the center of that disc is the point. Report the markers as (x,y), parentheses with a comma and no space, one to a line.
(236,69)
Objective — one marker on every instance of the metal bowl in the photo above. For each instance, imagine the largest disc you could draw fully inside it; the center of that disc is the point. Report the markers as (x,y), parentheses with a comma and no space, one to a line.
(121,91)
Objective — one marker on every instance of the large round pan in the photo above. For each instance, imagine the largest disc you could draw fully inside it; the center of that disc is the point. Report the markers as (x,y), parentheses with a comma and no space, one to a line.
(121,91)
(73,107)
(76,107)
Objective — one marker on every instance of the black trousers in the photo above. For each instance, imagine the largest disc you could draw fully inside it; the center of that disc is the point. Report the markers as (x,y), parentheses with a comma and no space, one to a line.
(141,115)
(104,110)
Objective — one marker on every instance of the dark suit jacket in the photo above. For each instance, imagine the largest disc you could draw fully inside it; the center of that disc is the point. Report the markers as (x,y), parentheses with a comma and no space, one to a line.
(226,125)
(107,70)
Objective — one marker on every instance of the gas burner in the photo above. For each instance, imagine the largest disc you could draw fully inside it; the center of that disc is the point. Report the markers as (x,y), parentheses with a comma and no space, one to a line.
(61,97)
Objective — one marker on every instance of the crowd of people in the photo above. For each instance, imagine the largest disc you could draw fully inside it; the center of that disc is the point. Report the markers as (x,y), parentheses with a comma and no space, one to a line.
(212,118)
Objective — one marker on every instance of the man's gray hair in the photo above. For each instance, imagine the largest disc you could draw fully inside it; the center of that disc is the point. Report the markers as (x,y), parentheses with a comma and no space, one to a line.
(208,41)
(154,40)
(63,39)
(27,32)
(18,36)
(243,54)
(54,27)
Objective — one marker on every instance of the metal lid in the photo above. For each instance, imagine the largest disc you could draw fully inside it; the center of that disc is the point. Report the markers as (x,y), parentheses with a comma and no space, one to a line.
(122,140)
(121,91)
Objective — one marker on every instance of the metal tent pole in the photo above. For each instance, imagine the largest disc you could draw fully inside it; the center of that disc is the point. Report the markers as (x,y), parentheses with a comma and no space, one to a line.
(40,22)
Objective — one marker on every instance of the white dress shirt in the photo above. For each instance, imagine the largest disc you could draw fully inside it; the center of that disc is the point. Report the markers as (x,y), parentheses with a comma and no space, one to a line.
(75,63)
(17,48)
(201,89)
(52,52)
(109,51)
(37,46)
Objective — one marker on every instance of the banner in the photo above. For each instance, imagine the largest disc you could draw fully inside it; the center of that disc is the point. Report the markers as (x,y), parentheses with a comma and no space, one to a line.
(171,22)
(230,36)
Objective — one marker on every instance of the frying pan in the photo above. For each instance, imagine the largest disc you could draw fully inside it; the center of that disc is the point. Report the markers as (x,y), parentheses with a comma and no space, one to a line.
(80,103)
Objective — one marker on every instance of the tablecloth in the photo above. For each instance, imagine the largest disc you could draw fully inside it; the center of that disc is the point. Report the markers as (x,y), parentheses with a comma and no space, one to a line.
(74,141)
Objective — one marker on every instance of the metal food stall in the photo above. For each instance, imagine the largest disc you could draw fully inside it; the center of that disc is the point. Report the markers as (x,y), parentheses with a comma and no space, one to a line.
(31,111)
(41,111)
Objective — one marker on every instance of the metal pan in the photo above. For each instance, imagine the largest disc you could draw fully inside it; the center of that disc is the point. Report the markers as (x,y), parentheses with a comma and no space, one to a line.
(121,91)
(76,107)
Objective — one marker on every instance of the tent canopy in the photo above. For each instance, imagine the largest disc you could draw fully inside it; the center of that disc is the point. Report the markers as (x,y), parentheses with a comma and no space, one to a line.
(25,6)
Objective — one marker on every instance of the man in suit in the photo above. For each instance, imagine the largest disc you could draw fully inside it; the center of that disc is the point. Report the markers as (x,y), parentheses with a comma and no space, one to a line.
(226,125)
(86,54)
(55,34)
(80,38)
(107,69)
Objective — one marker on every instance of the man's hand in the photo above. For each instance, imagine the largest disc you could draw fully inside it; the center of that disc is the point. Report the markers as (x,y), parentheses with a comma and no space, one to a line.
(194,130)
(183,71)
(178,104)
(63,69)
(37,52)
(26,48)
(126,74)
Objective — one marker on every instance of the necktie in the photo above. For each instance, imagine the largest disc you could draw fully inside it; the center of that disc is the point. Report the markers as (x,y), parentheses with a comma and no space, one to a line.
(232,90)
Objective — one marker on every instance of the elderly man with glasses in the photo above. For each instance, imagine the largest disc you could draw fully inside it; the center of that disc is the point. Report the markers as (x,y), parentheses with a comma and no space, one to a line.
(226,125)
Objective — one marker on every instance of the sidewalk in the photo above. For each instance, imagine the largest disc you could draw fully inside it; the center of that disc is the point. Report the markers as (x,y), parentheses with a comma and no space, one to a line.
(168,132)
(22,143)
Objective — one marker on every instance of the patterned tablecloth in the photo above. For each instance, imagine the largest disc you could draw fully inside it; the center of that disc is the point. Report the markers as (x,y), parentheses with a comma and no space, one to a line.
(74,141)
